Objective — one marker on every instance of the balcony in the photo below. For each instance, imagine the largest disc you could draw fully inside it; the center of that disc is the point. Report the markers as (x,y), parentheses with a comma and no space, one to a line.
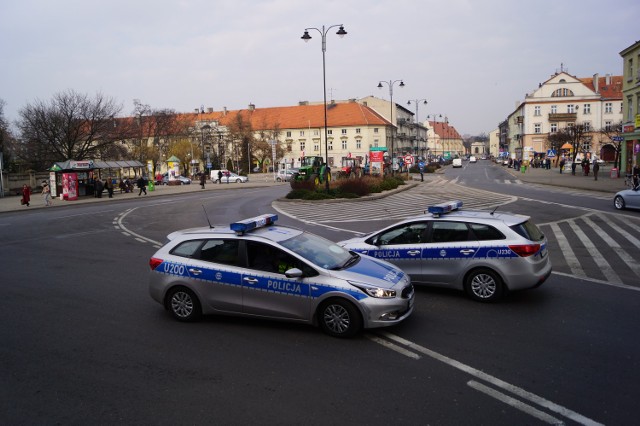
(569,117)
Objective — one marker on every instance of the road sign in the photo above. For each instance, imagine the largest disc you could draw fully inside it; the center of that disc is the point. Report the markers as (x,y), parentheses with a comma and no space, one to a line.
(617,138)
(408,159)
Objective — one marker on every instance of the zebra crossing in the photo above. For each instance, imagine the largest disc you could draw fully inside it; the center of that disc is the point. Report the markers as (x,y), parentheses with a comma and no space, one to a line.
(601,247)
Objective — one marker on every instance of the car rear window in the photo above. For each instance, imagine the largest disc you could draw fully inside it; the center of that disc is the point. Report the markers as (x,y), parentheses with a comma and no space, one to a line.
(486,232)
(529,231)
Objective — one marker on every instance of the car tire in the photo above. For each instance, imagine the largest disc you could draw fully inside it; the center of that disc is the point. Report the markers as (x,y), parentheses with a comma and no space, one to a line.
(483,285)
(339,318)
(238,180)
(183,304)
(618,202)
(278,180)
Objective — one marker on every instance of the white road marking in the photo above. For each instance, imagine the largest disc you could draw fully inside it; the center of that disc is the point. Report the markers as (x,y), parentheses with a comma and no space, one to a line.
(393,347)
(628,260)
(595,254)
(572,261)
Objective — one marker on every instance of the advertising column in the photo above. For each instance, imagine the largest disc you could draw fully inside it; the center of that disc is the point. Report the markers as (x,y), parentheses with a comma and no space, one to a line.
(70,186)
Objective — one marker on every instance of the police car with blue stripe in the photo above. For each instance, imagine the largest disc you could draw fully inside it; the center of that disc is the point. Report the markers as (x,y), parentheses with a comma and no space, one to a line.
(259,269)
(484,253)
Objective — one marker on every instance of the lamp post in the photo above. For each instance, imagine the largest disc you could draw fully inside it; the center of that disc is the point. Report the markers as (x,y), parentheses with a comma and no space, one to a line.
(306,37)
(202,129)
(390,83)
(417,102)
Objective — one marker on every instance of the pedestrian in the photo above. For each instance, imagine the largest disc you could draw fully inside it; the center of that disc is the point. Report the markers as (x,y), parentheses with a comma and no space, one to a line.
(26,195)
(46,193)
(587,167)
(596,169)
(635,175)
(99,187)
(108,185)
(220,176)
(142,185)
(561,165)
(203,179)
(573,167)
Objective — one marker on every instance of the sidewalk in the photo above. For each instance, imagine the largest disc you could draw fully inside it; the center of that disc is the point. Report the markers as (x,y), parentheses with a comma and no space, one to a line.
(566,180)
(11,202)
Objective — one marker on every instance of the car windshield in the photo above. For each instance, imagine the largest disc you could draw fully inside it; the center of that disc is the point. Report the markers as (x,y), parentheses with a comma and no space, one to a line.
(320,251)
(529,231)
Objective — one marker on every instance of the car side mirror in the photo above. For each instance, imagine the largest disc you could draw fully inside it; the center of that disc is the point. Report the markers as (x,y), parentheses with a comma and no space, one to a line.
(293,273)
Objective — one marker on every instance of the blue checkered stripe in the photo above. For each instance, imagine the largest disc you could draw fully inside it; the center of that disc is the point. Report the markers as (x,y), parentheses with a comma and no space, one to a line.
(264,283)
(442,253)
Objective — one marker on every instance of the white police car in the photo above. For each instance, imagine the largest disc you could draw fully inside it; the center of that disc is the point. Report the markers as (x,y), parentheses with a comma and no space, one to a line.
(258,269)
(485,253)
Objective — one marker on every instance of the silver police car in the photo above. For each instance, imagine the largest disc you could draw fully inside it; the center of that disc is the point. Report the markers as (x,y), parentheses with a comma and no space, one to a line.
(484,253)
(258,269)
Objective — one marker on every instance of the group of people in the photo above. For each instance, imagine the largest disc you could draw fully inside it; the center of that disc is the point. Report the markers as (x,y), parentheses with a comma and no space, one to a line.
(46,194)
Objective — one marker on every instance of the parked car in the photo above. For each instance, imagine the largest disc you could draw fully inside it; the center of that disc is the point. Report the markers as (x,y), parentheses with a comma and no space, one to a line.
(473,159)
(261,270)
(285,175)
(483,253)
(627,199)
(457,162)
(182,179)
(227,177)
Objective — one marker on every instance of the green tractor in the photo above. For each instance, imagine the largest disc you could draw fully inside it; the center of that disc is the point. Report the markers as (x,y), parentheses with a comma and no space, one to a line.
(312,169)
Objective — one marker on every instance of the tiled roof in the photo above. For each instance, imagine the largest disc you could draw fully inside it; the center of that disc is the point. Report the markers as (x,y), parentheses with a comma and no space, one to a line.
(444,130)
(299,117)
(613,90)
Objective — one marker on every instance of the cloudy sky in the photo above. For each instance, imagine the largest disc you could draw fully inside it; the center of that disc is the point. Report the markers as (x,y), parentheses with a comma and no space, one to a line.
(472,60)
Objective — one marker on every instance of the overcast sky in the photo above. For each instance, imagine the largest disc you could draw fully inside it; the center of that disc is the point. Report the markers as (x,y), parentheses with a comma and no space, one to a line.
(471,59)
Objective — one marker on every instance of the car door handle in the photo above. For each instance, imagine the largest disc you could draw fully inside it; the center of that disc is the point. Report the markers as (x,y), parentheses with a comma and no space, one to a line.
(467,251)
(195,271)
(250,280)
(413,252)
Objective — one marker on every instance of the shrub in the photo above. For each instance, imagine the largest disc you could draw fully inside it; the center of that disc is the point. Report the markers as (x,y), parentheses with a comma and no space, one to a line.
(317,195)
(306,185)
(296,194)
(357,187)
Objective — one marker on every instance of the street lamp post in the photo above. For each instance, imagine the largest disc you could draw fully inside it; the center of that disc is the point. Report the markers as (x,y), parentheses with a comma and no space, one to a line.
(417,102)
(306,37)
(202,129)
(390,83)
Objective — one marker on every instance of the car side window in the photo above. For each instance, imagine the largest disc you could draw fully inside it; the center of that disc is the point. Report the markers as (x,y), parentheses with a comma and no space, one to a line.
(486,232)
(267,258)
(220,251)
(187,248)
(408,233)
(449,232)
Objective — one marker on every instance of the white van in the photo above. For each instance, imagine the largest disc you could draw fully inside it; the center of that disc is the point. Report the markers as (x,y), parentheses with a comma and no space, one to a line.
(457,162)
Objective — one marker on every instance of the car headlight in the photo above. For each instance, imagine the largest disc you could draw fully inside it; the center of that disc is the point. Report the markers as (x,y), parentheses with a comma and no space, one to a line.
(378,292)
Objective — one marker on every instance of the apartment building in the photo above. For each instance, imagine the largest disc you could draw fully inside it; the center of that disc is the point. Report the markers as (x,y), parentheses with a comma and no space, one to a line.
(631,106)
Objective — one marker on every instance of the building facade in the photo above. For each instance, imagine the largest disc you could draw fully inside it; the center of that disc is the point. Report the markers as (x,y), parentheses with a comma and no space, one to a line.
(631,106)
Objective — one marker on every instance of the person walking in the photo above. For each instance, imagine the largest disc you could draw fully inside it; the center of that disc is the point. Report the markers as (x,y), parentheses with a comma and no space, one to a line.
(635,175)
(561,165)
(99,187)
(596,169)
(142,185)
(46,193)
(203,179)
(220,176)
(26,195)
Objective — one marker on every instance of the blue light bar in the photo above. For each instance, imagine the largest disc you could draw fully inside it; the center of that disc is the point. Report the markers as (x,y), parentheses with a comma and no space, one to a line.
(254,222)
(439,209)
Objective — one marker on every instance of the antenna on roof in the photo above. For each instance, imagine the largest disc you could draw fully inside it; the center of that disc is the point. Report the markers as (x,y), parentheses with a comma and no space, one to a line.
(207,217)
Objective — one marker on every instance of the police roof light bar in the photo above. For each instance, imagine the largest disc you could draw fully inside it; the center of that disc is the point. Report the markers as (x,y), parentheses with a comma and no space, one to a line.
(439,209)
(255,222)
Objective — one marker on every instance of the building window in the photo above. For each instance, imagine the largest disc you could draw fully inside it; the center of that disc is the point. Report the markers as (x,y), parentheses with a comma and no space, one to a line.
(358,143)
(571,108)
(536,110)
(344,145)
(288,134)
(375,130)
(608,107)
(316,132)
(561,92)
(330,132)
(301,132)
(587,108)
(554,127)
(316,147)
(607,125)
(357,131)
(330,145)
(344,131)
(375,143)
(554,109)
(537,128)
(630,70)
(630,108)
(587,126)
(301,146)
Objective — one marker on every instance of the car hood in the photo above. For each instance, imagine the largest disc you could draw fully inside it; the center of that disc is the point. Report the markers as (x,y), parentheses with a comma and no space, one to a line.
(374,272)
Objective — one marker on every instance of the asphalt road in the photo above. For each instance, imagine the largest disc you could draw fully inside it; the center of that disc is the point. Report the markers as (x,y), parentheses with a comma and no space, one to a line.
(84,343)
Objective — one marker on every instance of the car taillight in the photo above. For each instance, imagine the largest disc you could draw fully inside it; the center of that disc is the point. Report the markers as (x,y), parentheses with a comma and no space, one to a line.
(154,262)
(525,250)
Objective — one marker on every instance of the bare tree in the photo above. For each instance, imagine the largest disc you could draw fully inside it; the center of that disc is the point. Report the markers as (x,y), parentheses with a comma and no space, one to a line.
(576,135)
(70,126)
(241,132)
(614,135)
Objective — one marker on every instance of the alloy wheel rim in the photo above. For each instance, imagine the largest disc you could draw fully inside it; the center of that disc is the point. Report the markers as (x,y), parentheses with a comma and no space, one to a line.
(337,318)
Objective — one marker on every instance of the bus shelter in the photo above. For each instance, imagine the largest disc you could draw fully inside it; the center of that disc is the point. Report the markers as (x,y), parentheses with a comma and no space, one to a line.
(72,179)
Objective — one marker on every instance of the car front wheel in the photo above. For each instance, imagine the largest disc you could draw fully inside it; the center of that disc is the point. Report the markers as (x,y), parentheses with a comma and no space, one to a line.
(484,285)
(184,305)
(339,318)
(618,202)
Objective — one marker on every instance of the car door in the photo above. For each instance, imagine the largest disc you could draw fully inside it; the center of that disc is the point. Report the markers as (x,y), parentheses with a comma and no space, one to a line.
(266,291)
(401,245)
(449,248)
(216,271)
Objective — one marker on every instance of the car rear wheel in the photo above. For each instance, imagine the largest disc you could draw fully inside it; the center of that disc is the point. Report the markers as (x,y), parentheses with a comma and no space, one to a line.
(184,305)
(618,202)
(339,318)
(484,285)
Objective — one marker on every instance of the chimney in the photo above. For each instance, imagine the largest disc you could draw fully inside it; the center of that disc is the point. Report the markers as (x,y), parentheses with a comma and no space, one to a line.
(303,103)
(596,82)
(209,109)
(224,111)
(607,79)
(252,107)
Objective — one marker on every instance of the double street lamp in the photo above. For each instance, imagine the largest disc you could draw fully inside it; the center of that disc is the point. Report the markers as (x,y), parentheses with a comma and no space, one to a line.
(390,83)
(306,37)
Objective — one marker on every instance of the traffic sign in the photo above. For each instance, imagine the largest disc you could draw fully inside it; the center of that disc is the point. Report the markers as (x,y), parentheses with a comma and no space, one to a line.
(617,138)
(408,159)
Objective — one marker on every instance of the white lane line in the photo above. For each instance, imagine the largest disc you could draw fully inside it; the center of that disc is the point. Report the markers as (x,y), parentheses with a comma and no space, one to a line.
(517,404)
(567,252)
(137,236)
(393,346)
(633,240)
(494,381)
(628,260)
(597,257)
(597,281)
